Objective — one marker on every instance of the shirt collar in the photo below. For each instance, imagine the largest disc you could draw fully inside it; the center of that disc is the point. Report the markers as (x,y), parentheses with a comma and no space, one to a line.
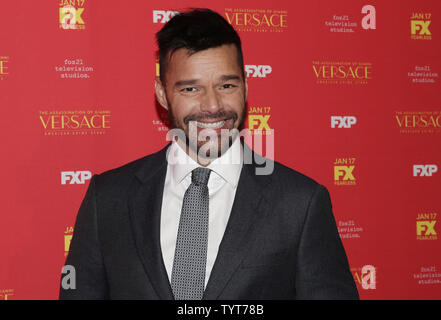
(228,166)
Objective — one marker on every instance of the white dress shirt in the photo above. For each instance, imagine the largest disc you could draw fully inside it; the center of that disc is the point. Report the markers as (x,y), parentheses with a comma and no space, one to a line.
(222,185)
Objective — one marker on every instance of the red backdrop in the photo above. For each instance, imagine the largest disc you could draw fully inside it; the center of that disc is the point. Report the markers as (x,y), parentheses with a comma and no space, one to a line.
(351,89)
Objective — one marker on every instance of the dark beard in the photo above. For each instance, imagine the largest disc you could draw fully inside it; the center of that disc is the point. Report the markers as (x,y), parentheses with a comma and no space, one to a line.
(196,117)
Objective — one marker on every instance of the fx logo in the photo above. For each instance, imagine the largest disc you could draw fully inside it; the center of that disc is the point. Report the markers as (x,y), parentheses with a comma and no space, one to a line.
(259,71)
(420,26)
(369,20)
(345,171)
(427,227)
(368,280)
(3,67)
(67,240)
(422,170)
(258,122)
(343,122)
(75,177)
(163,16)
(70,17)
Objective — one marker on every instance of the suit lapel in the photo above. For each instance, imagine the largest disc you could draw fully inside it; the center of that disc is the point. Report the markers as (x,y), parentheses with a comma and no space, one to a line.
(145,213)
(247,208)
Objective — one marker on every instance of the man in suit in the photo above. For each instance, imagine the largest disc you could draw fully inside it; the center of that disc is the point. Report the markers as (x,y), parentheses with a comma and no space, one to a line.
(197,220)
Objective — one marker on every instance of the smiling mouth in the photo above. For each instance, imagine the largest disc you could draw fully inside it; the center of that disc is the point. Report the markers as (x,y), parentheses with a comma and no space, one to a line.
(211,125)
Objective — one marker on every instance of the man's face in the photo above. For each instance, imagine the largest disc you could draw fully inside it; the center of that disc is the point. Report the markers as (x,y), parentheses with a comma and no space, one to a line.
(205,89)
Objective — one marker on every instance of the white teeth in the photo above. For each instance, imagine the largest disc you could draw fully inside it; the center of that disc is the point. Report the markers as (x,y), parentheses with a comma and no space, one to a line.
(214,125)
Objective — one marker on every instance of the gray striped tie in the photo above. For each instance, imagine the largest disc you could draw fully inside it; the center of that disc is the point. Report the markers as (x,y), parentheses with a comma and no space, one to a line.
(188,273)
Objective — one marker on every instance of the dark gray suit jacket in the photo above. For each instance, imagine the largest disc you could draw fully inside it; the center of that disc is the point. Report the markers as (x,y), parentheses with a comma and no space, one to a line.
(281,241)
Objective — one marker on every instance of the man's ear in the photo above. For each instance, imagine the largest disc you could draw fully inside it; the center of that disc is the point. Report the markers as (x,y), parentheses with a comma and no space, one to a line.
(160,93)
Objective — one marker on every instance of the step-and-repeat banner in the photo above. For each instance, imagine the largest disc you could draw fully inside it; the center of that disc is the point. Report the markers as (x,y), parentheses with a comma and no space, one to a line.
(350,88)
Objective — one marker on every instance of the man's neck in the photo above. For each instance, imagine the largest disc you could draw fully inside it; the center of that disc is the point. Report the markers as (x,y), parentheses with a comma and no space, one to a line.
(202,161)
(206,161)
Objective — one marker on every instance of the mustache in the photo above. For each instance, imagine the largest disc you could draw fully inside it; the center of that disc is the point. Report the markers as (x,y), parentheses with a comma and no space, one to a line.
(208,116)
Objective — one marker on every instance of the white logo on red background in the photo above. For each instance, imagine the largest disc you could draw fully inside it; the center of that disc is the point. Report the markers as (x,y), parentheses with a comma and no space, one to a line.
(75,177)
(424,170)
(163,16)
(258,71)
(343,121)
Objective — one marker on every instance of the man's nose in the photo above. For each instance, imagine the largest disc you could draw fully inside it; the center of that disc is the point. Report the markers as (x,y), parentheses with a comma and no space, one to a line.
(211,101)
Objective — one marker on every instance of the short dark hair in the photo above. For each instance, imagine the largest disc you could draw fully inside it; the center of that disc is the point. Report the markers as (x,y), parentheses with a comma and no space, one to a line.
(195,30)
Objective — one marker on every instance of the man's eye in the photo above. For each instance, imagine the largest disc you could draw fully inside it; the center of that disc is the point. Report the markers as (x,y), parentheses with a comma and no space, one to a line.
(188,90)
(228,86)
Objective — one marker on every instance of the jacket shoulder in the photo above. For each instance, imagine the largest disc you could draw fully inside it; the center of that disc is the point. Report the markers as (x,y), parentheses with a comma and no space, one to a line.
(292,185)
(280,174)
(123,175)
(290,177)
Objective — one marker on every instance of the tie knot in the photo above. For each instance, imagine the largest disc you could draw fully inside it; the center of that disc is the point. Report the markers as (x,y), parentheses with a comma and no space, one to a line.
(199,176)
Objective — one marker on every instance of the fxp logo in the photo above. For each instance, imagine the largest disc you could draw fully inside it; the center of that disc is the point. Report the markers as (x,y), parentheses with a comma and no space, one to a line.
(421,170)
(75,177)
(343,121)
(259,71)
(163,16)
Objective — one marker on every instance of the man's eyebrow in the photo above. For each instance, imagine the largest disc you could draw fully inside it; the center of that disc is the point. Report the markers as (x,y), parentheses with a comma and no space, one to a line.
(181,83)
(222,78)
(230,77)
